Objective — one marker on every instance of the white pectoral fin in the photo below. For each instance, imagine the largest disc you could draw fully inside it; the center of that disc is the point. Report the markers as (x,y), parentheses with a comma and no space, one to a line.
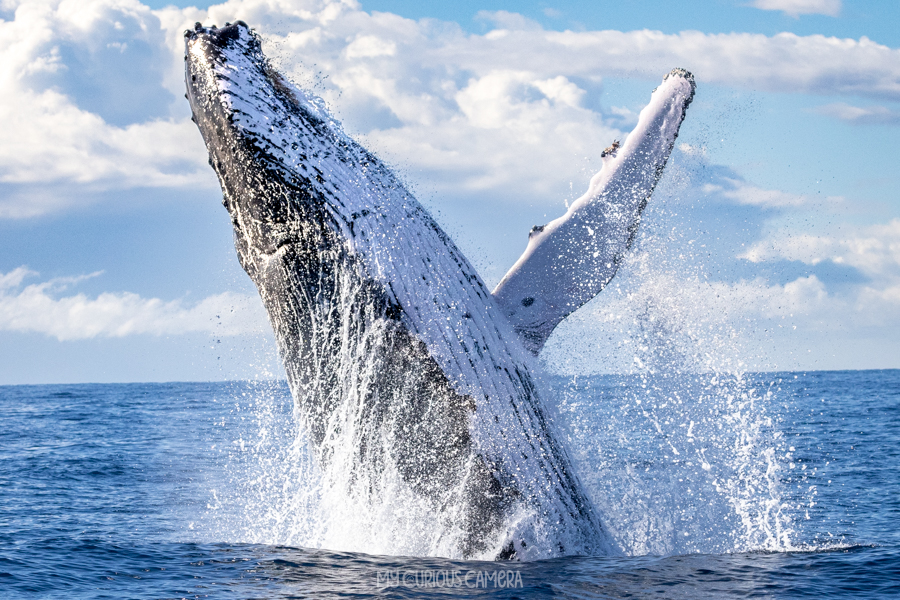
(571,259)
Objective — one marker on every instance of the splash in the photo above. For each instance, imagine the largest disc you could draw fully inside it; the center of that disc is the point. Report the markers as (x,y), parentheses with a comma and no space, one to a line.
(681,453)
(676,463)
(679,464)
(424,429)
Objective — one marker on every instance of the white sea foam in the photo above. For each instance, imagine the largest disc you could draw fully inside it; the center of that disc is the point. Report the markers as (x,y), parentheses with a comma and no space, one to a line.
(680,455)
(675,462)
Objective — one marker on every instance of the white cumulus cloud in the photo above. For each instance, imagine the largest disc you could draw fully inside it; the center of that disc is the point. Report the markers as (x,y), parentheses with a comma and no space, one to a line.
(741,192)
(872,249)
(695,325)
(84,102)
(42,308)
(91,90)
(91,99)
(795,8)
(514,112)
(861,115)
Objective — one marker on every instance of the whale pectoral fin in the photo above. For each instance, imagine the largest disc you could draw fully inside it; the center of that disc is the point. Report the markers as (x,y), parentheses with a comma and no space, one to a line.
(571,259)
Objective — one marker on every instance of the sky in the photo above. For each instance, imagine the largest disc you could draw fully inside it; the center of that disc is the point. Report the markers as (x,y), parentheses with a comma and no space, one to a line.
(771,243)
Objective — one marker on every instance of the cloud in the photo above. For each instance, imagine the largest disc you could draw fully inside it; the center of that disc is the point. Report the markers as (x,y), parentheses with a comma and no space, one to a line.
(91,95)
(368,46)
(743,193)
(873,249)
(858,115)
(14,278)
(84,102)
(795,8)
(499,138)
(96,90)
(503,20)
(40,308)
(480,113)
(805,302)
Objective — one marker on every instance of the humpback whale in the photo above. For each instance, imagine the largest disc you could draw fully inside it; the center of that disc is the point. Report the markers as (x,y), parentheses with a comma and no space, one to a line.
(414,381)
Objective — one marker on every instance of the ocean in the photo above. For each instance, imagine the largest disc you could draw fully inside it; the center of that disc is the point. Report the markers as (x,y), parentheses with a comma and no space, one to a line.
(770,485)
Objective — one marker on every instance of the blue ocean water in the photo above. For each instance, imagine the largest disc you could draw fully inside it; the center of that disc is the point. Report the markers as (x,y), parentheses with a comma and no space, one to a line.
(774,486)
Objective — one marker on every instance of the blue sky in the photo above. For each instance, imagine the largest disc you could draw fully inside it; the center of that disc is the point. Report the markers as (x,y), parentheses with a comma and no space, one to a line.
(773,241)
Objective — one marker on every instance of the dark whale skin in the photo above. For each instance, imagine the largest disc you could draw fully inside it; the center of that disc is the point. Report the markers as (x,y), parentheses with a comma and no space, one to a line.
(401,365)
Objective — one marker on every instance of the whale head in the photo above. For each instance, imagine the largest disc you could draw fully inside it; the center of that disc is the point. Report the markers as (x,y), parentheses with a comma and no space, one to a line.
(257,128)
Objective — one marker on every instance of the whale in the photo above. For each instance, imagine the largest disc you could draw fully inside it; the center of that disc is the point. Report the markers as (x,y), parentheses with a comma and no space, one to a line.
(416,385)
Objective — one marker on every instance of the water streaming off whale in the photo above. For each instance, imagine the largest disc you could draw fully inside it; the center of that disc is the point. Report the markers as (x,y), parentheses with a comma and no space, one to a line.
(424,426)
(685,455)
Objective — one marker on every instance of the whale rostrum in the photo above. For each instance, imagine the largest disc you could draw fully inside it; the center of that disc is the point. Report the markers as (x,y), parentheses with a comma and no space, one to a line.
(415,384)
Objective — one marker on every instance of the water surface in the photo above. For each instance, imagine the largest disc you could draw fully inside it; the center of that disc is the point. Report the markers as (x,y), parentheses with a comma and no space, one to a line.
(786,485)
